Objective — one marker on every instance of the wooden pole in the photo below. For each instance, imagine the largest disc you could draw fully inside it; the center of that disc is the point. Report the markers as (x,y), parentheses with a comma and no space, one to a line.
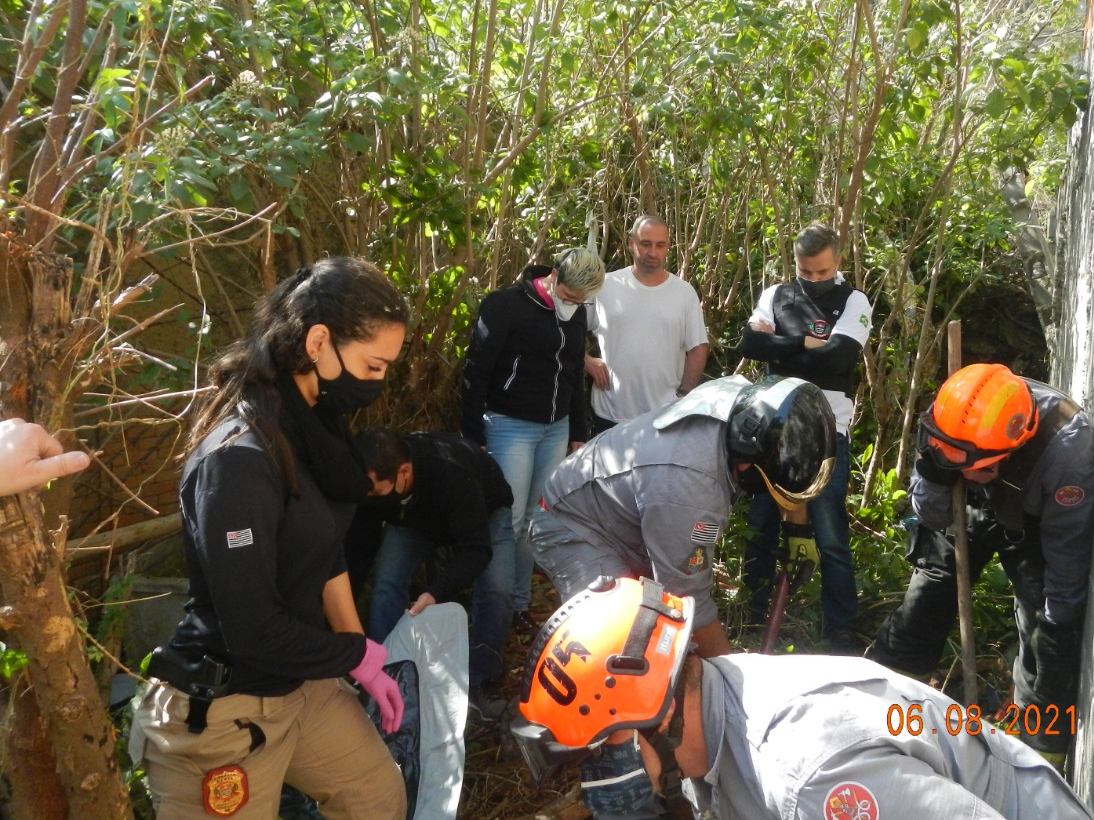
(961,548)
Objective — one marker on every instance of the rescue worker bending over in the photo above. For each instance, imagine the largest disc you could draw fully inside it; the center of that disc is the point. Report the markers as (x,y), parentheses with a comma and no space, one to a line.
(651,496)
(1026,451)
(763,737)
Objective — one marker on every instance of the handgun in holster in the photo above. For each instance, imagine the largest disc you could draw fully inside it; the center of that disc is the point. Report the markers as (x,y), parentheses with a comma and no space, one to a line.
(202,680)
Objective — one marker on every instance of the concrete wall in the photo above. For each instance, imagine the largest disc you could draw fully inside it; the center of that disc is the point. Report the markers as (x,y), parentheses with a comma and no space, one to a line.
(1072,365)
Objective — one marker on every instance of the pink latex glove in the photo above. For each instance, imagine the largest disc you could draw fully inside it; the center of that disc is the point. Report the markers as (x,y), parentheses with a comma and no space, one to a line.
(370,674)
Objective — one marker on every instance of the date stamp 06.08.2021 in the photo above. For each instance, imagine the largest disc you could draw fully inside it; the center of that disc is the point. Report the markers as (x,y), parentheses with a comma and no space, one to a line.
(1014,720)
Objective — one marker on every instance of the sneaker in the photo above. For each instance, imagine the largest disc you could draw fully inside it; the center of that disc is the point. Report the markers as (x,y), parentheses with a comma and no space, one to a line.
(524,624)
(487,701)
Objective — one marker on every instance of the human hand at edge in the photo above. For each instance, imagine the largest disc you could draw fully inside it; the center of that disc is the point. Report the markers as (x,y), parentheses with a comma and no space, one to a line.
(30,457)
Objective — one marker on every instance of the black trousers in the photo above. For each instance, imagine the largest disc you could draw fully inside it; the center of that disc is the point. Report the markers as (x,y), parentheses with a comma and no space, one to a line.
(912,638)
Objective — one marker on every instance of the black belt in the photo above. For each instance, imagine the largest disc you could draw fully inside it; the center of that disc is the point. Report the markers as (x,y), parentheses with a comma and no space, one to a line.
(203,681)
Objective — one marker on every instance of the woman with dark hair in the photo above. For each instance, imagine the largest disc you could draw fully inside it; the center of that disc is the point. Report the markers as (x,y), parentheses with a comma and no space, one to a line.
(249,692)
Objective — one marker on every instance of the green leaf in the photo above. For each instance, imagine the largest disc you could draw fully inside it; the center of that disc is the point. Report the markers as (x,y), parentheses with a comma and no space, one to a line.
(917,36)
(995,105)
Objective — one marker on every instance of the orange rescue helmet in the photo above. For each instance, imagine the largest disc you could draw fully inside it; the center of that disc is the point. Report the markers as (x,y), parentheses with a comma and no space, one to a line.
(608,659)
(981,414)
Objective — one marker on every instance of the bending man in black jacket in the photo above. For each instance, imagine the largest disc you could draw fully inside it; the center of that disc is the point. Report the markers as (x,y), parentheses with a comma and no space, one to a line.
(434,490)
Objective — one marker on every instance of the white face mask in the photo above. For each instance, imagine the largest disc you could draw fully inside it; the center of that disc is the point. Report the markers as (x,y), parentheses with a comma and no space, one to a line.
(564,311)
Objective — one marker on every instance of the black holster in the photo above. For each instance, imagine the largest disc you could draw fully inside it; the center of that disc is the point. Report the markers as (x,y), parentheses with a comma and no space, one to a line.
(202,680)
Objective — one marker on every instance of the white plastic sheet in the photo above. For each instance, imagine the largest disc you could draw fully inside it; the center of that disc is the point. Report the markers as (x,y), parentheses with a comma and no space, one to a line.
(436,641)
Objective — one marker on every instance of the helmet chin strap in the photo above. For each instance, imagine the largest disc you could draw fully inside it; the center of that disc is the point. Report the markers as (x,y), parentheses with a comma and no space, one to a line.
(665,744)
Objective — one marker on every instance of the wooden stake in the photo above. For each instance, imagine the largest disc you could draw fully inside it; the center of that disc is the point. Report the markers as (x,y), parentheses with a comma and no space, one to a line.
(961,548)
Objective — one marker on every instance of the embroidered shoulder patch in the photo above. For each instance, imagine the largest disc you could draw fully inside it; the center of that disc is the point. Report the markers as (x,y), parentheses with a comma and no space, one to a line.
(851,801)
(240,538)
(697,561)
(224,791)
(703,533)
(1069,496)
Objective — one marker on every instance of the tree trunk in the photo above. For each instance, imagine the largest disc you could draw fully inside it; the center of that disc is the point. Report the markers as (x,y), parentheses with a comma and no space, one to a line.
(30,770)
(36,370)
(64,688)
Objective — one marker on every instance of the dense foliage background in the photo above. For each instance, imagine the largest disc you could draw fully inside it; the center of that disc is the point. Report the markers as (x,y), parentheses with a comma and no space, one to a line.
(220,144)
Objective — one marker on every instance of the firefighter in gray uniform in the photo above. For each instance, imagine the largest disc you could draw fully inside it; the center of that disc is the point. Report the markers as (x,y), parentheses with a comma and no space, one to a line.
(788,737)
(1026,452)
(650,497)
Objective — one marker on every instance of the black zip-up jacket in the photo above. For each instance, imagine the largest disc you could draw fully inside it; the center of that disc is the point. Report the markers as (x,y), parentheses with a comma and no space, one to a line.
(457,487)
(524,362)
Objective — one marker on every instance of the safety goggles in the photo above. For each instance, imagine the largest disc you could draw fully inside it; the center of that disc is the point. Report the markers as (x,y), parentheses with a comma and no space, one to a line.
(950,453)
(545,756)
(789,500)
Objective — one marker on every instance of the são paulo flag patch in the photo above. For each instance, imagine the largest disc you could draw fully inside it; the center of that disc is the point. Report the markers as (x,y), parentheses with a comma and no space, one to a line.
(704,533)
(240,538)
(851,801)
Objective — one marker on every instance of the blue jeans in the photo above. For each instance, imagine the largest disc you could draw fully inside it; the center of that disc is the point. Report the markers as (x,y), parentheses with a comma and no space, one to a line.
(527,453)
(828,515)
(402,551)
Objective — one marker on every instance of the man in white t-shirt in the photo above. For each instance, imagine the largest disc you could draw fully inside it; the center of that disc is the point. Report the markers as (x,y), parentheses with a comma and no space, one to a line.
(650,329)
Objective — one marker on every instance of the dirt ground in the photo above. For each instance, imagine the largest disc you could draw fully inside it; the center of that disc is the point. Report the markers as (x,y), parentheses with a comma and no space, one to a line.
(496,783)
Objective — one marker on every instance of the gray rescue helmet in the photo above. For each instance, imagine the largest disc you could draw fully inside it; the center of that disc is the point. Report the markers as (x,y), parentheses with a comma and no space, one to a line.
(785,429)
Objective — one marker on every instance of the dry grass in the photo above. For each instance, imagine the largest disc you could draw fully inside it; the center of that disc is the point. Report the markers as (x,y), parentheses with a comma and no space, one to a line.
(496,783)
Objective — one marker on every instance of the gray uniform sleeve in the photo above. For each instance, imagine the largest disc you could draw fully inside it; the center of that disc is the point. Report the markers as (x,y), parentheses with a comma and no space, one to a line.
(682,519)
(932,502)
(1066,495)
(876,782)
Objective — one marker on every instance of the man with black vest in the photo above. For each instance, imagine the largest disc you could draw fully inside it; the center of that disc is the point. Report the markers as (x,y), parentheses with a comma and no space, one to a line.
(814,329)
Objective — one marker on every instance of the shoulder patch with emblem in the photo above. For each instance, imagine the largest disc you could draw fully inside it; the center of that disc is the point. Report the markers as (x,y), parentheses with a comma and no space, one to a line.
(224,791)
(1069,496)
(850,801)
(697,561)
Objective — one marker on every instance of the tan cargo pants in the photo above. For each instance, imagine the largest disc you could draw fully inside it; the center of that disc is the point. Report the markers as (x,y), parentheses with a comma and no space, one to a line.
(317,739)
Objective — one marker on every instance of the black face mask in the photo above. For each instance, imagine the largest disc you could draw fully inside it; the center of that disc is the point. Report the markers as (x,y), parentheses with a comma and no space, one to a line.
(380,503)
(814,290)
(346,393)
(391,506)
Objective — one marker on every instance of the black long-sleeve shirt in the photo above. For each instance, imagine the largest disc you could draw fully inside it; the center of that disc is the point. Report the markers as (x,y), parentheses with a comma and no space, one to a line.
(258,561)
(457,487)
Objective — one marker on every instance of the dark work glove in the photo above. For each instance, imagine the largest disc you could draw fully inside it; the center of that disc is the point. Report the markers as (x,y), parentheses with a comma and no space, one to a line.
(1056,651)
(615,781)
(798,554)
(926,468)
